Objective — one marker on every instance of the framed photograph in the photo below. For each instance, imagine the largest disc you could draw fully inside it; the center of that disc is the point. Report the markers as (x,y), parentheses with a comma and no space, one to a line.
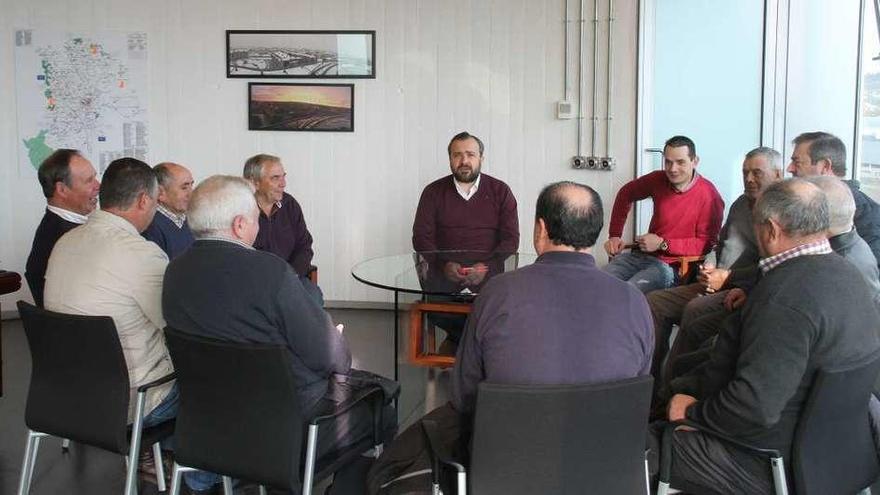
(301,54)
(300,107)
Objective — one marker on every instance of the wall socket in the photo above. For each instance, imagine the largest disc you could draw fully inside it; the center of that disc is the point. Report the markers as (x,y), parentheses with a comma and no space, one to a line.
(593,163)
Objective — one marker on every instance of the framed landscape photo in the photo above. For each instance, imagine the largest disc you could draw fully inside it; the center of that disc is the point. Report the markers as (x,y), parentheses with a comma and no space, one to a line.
(301,54)
(300,107)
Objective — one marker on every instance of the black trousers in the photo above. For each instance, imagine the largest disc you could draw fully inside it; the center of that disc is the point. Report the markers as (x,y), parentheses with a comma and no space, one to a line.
(703,465)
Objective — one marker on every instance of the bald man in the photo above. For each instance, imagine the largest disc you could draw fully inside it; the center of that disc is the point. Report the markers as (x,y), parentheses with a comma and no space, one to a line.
(169,228)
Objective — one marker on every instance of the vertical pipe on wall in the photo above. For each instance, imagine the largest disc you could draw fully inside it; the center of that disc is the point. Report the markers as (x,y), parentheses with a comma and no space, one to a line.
(595,76)
(567,89)
(581,79)
(609,79)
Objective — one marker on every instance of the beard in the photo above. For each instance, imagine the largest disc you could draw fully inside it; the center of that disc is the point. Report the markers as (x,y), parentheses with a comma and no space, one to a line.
(466,175)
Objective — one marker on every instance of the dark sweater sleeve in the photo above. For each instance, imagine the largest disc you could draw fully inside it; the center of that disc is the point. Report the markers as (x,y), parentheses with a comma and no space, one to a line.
(301,257)
(308,330)
(425,223)
(775,347)
(508,223)
(468,371)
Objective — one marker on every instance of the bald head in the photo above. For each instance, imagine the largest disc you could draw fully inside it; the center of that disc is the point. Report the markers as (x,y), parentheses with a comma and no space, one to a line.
(175,186)
(571,215)
(797,206)
(841,205)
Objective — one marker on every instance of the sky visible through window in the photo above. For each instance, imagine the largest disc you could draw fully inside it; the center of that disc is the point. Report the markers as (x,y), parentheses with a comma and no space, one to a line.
(868,171)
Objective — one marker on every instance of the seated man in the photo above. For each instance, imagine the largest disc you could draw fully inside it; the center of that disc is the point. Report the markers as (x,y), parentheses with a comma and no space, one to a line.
(256,297)
(687,216)
(560,320)
(465,211)
(796,321)
(821,153)
(283,230)
(735,255)
(169,229)
(105,268)
(70,185)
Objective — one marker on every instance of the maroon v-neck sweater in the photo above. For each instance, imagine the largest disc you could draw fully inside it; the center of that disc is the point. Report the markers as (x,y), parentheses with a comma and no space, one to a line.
(486,222)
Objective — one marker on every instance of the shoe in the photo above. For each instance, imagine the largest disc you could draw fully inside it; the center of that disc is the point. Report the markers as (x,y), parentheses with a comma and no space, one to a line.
(147,467)
(186,490)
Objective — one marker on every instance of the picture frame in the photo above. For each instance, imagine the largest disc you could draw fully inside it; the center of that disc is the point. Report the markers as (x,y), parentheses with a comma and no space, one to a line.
(256,54)
(274,106)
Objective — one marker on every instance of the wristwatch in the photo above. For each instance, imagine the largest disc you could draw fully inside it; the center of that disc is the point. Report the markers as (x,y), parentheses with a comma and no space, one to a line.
(664,245)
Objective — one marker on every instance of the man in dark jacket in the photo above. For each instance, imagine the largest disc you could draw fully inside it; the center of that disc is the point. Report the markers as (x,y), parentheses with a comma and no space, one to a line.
(821,153)
(795,322)
(225,289)
(70,185)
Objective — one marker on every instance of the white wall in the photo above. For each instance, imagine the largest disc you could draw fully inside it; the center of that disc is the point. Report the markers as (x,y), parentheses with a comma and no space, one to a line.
(494,68)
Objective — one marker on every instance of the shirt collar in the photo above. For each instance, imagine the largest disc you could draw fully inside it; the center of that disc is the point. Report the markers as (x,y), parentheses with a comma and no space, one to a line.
(224,239)
(460,188)
(68,215)
(809,249)
(174,217)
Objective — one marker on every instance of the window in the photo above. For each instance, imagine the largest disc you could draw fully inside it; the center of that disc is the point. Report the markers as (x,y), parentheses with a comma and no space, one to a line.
(867,170)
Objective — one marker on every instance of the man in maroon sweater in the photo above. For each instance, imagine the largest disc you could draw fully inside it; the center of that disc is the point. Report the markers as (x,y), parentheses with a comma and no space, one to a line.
(469,211)
(687,217)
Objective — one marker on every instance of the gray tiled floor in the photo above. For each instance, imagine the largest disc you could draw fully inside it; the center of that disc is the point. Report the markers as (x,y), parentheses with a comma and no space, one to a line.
(91,471)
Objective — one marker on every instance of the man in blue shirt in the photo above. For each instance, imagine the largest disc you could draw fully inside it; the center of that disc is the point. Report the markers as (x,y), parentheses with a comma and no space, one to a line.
(169,228)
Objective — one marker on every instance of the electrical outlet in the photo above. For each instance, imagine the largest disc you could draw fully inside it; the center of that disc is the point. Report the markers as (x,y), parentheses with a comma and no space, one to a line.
(564,110)
(592,163)
(579,162)
(607,164)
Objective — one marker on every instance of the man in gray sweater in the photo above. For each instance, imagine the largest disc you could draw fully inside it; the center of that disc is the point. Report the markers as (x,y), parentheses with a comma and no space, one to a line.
(795,322)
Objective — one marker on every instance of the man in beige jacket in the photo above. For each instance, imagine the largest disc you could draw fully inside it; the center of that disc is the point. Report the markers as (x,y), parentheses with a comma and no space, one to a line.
(105,268)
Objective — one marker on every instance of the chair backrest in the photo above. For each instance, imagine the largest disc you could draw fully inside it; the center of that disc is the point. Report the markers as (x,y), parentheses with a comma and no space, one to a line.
(561,439)
(239,415)
(833,450)
(79,381)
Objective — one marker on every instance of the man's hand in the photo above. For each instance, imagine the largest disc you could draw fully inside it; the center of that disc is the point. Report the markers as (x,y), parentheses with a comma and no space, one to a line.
(678,406)
(712,279)
(734,299)
(613,246)
(453,272)
(649,242)
(476,274)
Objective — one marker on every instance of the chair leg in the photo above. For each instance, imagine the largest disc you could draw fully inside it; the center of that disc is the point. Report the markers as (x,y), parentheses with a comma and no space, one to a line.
(28,461)
(461,483)
(135,446)
(311,447)
(227,485)
(65,445)
(647,479)
(779,483)
(263,490)
(160,467)
(176,474)
(866,491)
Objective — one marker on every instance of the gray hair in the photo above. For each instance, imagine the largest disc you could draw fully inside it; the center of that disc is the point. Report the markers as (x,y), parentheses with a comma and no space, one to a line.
(824,145)
(841,205)
(215,203)
(800,207)
(163,173)
(253,167)
(774,158)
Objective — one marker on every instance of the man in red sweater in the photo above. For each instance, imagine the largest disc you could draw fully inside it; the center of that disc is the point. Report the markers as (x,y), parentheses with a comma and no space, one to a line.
(687,217)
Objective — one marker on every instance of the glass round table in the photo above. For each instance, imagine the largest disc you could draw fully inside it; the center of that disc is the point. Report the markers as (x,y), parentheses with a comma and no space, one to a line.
(458,274)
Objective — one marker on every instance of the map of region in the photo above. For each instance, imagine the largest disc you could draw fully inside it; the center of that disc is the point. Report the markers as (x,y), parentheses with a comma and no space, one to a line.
(81,91)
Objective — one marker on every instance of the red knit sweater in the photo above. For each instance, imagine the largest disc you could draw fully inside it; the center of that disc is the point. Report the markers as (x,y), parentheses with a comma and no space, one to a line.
(689,221)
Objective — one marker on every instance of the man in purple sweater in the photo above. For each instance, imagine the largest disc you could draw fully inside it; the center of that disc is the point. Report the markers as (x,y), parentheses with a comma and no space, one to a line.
(464,211)
(283,230)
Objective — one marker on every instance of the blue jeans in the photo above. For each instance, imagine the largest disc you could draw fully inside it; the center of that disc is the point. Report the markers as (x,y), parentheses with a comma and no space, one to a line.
(642,270)
(167,409)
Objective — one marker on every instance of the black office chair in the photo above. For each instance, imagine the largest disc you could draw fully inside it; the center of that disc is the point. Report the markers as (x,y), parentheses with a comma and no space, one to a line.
(833,450)
(561,439)
(239,416)
(79,360)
